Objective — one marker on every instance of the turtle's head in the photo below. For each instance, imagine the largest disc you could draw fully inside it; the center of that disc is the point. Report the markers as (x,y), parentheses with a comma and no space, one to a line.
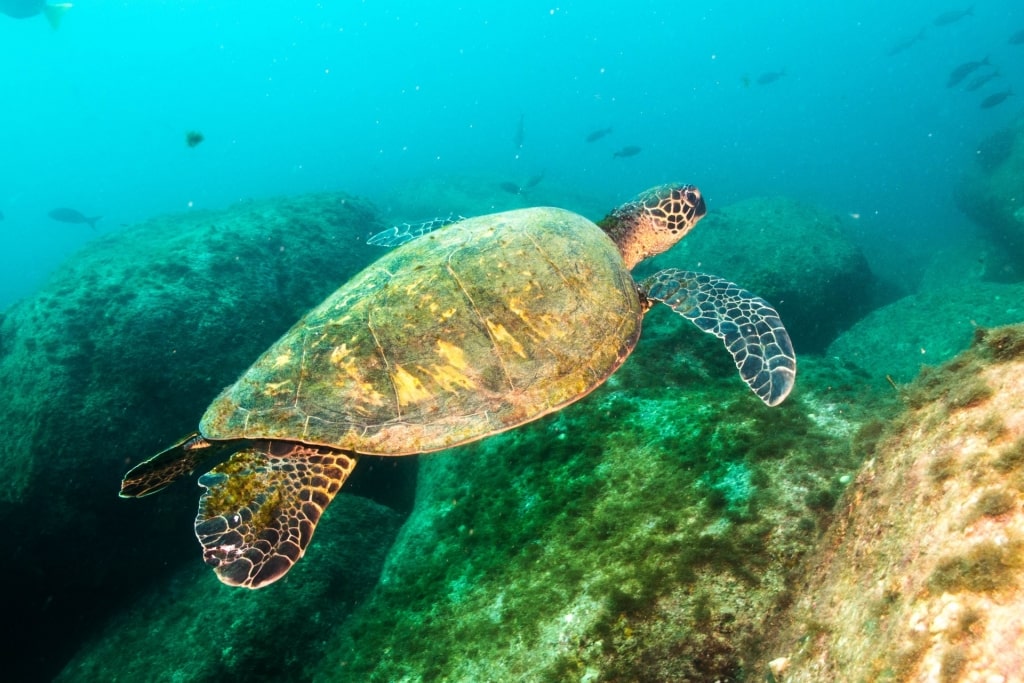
(654,221)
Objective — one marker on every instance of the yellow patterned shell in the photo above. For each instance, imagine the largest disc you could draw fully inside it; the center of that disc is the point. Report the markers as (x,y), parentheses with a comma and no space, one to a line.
(467,331)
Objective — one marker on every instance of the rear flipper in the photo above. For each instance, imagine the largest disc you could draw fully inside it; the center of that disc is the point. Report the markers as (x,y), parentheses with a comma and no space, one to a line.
(749,326)
(260,508)
(163,468)
(406,232)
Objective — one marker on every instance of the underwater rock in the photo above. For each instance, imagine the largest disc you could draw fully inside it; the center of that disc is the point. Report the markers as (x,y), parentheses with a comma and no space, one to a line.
(641,534)
(991,193)
(962,263)
(791,254)
(921,576)
(926,328)
(191,628)
(113,359)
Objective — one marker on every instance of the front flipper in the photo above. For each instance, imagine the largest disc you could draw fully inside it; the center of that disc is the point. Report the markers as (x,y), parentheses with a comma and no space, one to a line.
(163,468)
(260,508)
(749,326)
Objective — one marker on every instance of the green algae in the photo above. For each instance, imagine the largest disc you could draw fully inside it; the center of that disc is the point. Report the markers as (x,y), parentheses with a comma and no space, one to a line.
(959,384)
(246,481)
(1002,344)
(994,503)
(954,659)
(1011,458)
(984,568)
(943,465)
(954,383)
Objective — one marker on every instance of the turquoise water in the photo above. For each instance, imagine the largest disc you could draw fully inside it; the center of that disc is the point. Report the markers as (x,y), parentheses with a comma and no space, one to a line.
(361,96)
(845,108)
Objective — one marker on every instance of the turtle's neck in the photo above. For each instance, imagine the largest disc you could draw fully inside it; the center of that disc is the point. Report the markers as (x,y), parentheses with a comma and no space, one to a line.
(621,227)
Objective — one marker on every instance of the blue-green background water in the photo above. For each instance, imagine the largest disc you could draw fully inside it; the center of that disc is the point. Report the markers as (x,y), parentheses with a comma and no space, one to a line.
(374,98)
(303,96)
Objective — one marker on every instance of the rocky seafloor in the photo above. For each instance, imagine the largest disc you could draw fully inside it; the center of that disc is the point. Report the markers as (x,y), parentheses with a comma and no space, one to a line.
(668,527)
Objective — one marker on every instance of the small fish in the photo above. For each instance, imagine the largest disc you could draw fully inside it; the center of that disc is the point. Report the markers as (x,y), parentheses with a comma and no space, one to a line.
(1017,38)
(770,77)
(510,187)
(906,44)
(193,138)
(533,182)
(72,216)
(993,100)
(629,151)
(963,71)
(598,134)
(981,80)
(23,9)
(520,135)
(952,16)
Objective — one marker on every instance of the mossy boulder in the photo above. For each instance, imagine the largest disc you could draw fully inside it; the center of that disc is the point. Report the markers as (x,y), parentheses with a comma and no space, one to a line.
(992,194)
(795,255)
(117,356)
(926,328)
(921,576)
(960,264)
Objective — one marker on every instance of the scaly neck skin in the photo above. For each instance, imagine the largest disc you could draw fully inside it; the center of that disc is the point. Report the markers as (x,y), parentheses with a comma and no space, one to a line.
(622,228)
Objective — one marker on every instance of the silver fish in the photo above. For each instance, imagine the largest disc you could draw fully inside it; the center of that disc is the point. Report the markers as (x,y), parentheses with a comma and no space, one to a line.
(953,16)
(533,182)
(629,151)
(981,80)
(963,71)
(993,100)
(906,44)
(770,77)
(73,216)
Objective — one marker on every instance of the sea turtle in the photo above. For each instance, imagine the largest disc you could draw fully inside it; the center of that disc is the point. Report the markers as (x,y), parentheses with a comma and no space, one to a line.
(465,331)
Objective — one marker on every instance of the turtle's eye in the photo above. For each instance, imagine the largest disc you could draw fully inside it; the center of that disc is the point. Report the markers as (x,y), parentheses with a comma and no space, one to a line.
(694,199)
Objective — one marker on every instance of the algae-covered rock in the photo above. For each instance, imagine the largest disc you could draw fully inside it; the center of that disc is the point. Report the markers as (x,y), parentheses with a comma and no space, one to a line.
(190,627)
(116,357)
(642,534)
(926,328)
(145,317)
(792,254)
(992,194)
(921,577)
